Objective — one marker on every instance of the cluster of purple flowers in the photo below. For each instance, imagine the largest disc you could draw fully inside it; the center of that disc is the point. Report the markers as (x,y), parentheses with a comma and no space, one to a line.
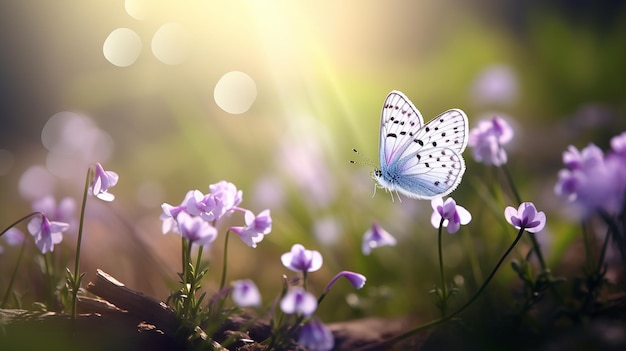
(592,179)
(487,140)
(197,216)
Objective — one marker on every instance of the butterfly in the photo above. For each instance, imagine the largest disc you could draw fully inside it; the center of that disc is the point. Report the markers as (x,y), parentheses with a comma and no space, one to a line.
(421,161)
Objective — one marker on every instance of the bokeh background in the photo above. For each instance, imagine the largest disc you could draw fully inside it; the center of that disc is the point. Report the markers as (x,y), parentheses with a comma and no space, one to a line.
(177,95)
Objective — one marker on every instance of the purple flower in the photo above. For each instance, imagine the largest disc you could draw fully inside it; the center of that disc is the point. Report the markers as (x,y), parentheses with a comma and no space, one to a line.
(222,199)
(103,180)
(301,260)
(496,84)
(526,217)
(452,214)
(315,336)
(487,140)
(357,280)
(14,237)
(298,300)
(46,233)
(593,180)
(375,237)
(171,212)
(245,293)
(618,144)
(64,212)
(256,227)
(195,229)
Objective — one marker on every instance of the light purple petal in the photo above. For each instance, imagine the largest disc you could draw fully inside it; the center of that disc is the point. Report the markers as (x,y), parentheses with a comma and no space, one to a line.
(245,293)
(297,300)
(464,215)
(315,336)
(510,213)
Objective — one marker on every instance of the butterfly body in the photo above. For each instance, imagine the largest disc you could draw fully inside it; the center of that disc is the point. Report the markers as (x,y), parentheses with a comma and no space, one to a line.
(418,160)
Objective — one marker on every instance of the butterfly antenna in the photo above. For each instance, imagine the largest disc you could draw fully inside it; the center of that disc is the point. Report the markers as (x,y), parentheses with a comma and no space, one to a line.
(368,161)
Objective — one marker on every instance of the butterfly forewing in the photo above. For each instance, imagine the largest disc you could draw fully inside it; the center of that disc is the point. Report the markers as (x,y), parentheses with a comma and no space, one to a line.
(399,122)
(449,130)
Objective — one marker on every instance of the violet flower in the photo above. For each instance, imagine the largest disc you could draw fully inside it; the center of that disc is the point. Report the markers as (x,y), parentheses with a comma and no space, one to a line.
(375,237)
(46,233)
(245,293)
(453,215)
(195,229)
(526,217)
(315,336)
(593,180)
(357,280)
(298,300)
(64,212)
(487,139)
(222,199)
(301,260)
(256,228)
(14,237)
(102,181)
(171,212)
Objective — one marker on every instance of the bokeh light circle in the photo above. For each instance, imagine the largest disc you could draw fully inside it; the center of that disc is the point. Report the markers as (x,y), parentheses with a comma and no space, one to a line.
(170,43)
(235,92)
(136,8)
(36,182)
(122,47)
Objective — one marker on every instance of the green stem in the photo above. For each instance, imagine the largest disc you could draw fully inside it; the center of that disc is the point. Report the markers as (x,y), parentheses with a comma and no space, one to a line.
(225,263)
(20,220)
(467,304)
(77,278)
(13,275)
(49,280)
(444,289)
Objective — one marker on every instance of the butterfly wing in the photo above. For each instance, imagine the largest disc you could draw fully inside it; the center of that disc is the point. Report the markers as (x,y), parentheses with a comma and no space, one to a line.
(399,121)
(433,166)
(417,160)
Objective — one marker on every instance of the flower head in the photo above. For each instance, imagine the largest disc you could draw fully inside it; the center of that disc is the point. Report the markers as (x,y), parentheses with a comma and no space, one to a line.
(315,336)
(526,216)
(195,229)
(63,212)
(245,293)
(298,300)
(46,233)
(357,280)
(487,140)
(14,237)
(301,260)
(452,214)
(256,227)
(102,181)
(375,237)
(222,199)
(592,179)
(171,212)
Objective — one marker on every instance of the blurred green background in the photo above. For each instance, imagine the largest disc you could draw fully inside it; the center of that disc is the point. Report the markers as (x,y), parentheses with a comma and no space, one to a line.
(158,103)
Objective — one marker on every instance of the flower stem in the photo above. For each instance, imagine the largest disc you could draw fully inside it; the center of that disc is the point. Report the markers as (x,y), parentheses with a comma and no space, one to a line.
(77,277)
(225,263)
(467,304)
(17,264)
(444,289)
(518,198)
